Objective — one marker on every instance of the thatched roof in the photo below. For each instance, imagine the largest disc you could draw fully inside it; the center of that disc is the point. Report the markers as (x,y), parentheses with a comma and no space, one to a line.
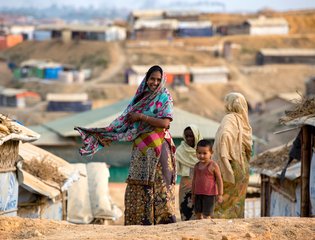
(43,172)
(273,161)
(305,107)
(12,130)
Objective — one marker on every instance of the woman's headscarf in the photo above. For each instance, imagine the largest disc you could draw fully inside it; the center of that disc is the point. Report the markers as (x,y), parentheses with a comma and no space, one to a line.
(233,136)
(186,155)
(156,104)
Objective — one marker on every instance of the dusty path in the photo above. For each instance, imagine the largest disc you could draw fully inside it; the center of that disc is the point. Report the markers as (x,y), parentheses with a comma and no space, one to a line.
(255,228)
(116,65)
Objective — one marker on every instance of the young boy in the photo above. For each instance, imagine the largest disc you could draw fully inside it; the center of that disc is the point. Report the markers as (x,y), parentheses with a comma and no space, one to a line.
(207,183)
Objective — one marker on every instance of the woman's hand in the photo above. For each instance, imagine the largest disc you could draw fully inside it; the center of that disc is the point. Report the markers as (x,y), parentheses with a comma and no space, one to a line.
(105,142)
(134,117)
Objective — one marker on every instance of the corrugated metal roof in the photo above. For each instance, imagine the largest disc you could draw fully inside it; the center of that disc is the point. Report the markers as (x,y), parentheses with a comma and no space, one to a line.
(156,24)
(208,70)
(67,97)
(50,138)
(195,24)
(104,116)
(173,69)
(263,21)
(287,52)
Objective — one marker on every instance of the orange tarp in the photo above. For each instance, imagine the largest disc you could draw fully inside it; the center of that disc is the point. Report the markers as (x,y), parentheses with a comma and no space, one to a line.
(10,41)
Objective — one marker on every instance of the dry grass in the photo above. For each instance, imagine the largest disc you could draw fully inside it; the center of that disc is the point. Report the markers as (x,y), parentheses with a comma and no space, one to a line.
(44,169)
(272,160)
(301,108)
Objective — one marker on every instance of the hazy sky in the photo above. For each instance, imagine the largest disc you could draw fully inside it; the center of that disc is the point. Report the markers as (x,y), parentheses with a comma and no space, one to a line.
(230,5)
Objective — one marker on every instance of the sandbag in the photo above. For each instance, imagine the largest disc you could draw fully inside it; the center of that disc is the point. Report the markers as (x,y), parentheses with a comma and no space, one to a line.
(79,205)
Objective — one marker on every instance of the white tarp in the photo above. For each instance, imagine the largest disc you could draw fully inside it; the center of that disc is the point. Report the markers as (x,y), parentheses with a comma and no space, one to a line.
(89,197)
(9,187)
(282,206)
(79,206)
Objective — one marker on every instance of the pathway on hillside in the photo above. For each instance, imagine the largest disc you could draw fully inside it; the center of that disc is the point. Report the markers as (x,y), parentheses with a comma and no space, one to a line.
(115,66)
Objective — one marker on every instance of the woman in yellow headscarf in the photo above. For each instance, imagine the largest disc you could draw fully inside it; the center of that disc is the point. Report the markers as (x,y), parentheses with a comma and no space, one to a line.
(185,160)
(232,151)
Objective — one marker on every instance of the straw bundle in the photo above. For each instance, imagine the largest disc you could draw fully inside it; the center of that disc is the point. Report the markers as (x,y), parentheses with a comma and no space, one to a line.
(45,170)
(9,153)
(303,107)
(6,126)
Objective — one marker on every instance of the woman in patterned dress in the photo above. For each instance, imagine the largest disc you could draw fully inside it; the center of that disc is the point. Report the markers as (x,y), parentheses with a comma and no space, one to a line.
(232,151)
(150,192)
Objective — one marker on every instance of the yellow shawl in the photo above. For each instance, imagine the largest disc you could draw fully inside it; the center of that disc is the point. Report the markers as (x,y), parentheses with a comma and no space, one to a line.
(186,155)
(233,136)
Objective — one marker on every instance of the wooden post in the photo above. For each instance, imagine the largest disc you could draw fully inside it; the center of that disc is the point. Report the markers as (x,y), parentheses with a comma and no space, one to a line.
(265,196)
(305,170)
(64,205)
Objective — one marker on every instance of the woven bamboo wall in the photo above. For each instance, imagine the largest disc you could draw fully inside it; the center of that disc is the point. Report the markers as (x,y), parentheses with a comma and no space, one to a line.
(9,153)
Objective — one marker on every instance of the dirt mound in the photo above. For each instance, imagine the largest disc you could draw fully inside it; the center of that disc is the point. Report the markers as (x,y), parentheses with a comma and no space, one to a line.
(255,228)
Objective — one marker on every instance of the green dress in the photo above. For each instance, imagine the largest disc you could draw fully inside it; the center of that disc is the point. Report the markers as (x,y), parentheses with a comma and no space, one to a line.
(233,204)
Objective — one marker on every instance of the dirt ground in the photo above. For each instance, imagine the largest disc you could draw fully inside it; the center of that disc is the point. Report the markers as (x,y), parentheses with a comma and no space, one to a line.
(251,228)
(254,228)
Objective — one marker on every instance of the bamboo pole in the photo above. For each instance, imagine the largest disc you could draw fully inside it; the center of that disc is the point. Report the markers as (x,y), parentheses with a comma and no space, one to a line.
(305,170)
(265,196)
(262,196)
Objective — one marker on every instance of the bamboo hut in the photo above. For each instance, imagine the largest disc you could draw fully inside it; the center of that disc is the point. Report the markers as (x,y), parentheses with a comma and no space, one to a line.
(11,133)
(44,180)
(302,174)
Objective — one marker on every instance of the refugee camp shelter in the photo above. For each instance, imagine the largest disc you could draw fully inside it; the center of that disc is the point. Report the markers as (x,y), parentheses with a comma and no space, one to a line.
(59,137)
(208,75)
(11,133)
(27,31)
(281,101)
(68,32)
(44,180)
(267,26)
(285,56)
(68,102)
(257,26)
(278,198)
(136,15)
(194,29)
(154,29)
(307,125)
(10,40)
(19,98)
(176,75)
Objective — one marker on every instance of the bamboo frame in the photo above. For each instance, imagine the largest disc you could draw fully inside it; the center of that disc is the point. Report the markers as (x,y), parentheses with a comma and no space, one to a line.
(305,170)
(265,196)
